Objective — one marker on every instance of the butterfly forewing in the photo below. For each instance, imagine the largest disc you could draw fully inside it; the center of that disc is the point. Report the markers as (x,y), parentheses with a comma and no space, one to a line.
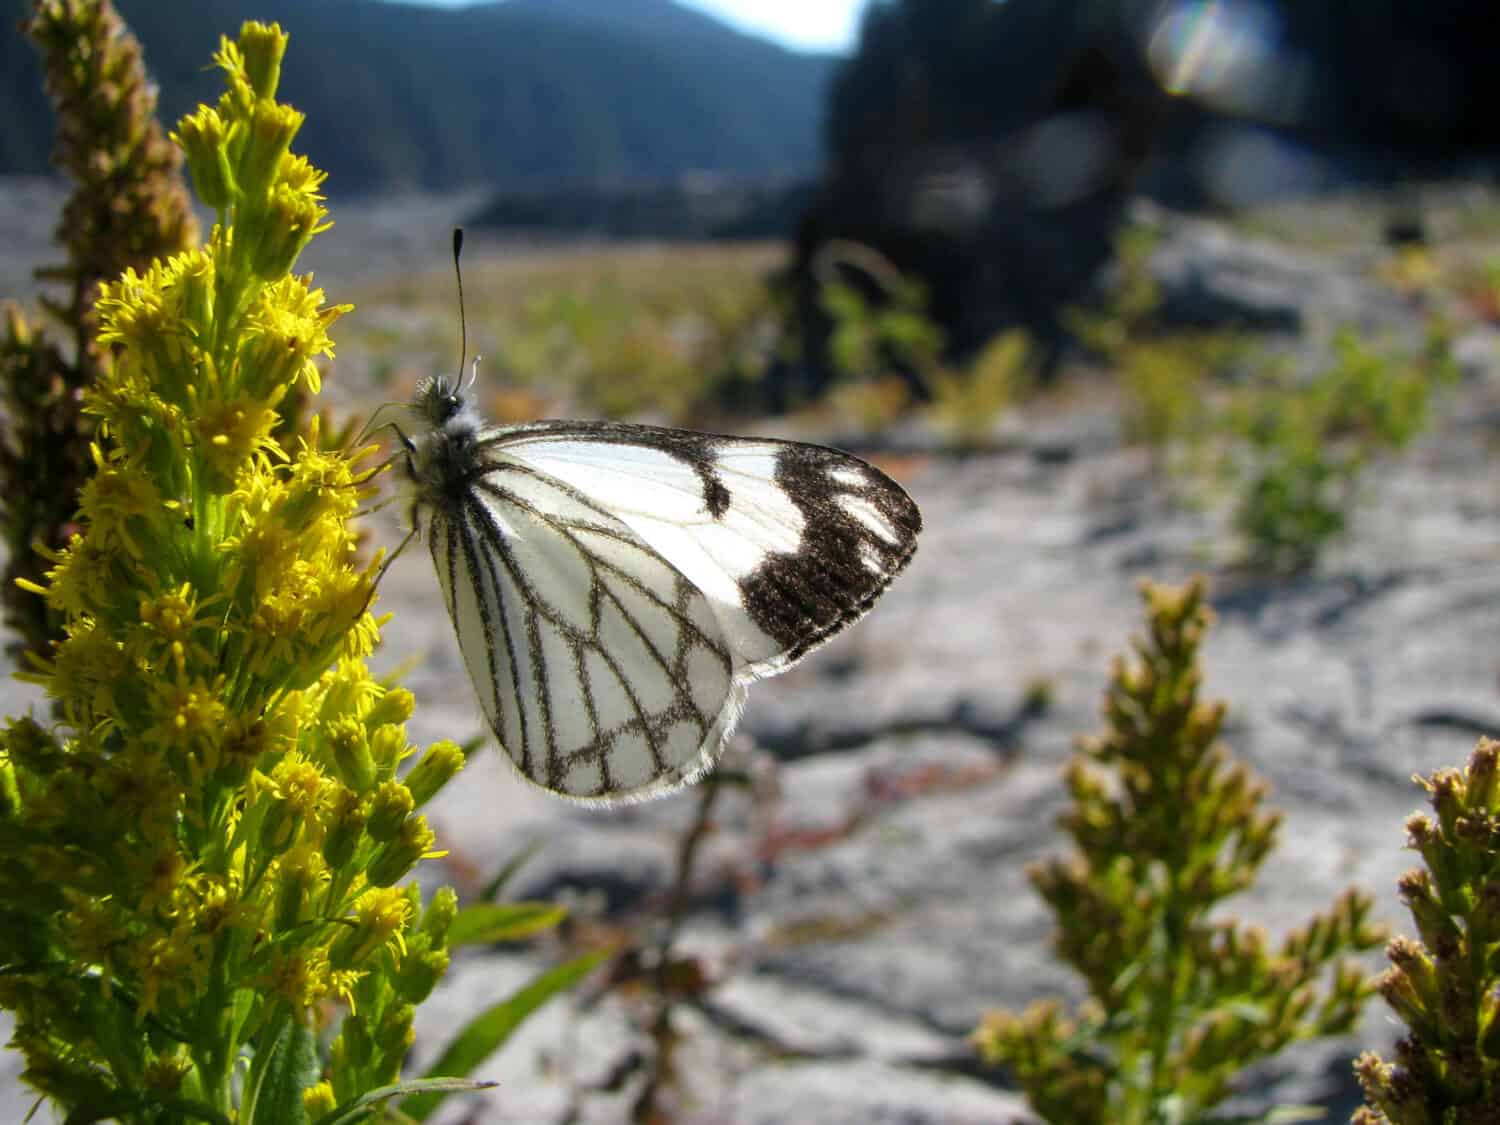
(614,588)
(789,541)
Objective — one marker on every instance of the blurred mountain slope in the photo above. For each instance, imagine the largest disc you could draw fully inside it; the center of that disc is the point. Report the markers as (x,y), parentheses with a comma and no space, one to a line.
(528,94)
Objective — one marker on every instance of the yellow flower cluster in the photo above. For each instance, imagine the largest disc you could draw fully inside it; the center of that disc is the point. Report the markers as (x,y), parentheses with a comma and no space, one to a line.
(219,824)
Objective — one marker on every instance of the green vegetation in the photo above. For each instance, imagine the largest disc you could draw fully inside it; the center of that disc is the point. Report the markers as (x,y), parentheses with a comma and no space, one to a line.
(1167,828)
(1289,448)
(1166,375)
(674,334)
(1445,985)
(967,403)
(1299,446)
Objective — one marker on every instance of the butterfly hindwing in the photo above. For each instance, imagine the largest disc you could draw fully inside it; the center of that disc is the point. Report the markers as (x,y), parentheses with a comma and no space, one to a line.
(600,668)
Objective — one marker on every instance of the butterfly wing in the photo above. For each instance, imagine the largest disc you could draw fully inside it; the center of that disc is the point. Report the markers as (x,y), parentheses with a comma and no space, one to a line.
(790,542)
(614,588)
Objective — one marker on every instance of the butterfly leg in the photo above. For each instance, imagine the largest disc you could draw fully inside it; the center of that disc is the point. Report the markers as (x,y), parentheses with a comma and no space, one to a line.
(385,563)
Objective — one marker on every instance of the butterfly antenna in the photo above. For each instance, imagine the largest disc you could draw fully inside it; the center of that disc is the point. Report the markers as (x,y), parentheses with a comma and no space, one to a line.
(463,326)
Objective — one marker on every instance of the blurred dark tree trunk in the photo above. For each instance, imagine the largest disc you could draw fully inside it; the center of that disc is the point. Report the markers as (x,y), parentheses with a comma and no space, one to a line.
(986,148)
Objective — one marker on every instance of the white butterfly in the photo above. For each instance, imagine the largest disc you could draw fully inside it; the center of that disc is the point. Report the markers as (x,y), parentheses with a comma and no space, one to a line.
(615,587)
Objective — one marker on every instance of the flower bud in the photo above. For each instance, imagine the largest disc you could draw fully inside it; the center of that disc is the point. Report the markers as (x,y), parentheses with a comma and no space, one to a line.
(401,854)
(395,706)
(395,1034)
(290,221)
(436,768)
(352,1049)
(278,829)
(389,808)
(263,47)
(271,129)
(420,970)
(203,140)
(351,754)
(292,892)
(439,915)
(346,824)
(318,1101)
(387,746)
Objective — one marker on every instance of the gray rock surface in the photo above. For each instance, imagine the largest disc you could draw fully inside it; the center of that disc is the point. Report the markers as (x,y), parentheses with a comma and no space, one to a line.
(862,912)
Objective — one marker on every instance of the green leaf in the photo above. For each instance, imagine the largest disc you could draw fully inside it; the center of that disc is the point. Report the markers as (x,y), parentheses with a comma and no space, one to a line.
(488,1030)
(491,922)
(291,1066)
(360,1106)
(503,877)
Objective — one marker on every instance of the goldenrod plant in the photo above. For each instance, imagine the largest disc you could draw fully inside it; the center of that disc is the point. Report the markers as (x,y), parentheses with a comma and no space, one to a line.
(1444,985)
(205,911)
(1167,827)
(129,205)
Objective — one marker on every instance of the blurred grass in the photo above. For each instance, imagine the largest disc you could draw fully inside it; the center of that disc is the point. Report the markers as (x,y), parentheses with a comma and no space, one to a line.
(649,332)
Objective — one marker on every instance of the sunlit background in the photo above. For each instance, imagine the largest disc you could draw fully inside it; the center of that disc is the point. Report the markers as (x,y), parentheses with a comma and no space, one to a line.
(819,25)
(1119,289)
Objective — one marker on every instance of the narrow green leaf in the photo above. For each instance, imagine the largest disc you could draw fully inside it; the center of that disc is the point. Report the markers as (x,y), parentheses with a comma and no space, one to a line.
(503,877)
(360,1106)
(491,1028)
(491,922)
(290,1068)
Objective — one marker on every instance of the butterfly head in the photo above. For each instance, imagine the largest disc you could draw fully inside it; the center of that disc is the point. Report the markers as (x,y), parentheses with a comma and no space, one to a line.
(438,401)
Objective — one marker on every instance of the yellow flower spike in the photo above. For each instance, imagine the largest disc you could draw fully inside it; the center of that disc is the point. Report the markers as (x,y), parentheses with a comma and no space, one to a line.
(212,667)
(114,497)
(380,916)
(229,434)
